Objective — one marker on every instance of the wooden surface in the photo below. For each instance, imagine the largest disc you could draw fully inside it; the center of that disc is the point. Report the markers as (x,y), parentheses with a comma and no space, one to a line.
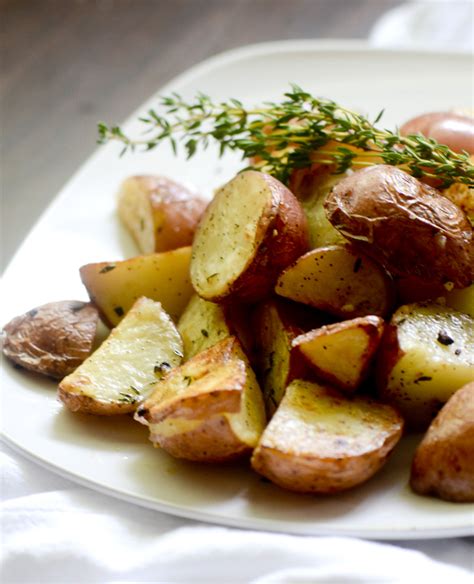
(68,63)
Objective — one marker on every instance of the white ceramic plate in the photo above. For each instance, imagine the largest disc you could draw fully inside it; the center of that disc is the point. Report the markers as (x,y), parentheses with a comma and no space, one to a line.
(113,455)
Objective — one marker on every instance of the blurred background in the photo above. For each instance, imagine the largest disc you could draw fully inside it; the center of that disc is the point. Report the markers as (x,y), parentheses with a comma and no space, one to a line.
(65,64)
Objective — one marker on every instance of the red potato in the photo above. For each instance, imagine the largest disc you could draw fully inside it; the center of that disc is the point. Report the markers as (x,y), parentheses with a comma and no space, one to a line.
(253,228)
(404,224)
(159,213)
(452,129)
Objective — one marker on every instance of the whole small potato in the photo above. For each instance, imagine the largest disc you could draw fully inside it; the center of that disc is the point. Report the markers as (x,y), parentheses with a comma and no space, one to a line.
(452,129)
(404,224)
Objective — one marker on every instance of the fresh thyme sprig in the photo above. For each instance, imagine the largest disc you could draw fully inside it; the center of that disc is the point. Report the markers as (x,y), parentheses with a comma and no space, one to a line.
(281,137)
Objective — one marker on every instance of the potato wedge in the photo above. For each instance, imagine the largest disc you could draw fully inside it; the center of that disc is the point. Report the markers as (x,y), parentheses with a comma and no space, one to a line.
(276,323)
(210,409)
(404,224)
(123,370)
(159,213)
(338,280)
(205,323)
(52,339)
(253,228)
(311,187)
(426,354)
(114,286)
(443,465)
(319,441)
(202,325)
(341,353)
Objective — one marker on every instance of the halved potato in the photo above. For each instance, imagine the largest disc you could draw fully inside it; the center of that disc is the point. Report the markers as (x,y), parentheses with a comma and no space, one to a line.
(159,213)
(276,323)
(253,228)
(210,409)
(123,370)
(311,187)
(338,280)
(341,353)
(52,339)
(444,461)
(426,354)
(319,441)
(114,286)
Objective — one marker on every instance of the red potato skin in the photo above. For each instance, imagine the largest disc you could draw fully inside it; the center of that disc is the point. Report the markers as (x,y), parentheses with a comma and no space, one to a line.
(452,129)
(286,239)
(406,225)
(443,465)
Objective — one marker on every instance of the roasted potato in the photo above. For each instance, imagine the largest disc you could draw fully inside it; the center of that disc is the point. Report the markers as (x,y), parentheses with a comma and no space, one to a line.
(319,441)
(276,323)
(341,353)
(210,409)
(426,354)
(52,339)
(311,186)
(204,323)
(443,465)
(338,280)
(463,196)
(411,289)
(159,213)
(453,129)
(114,286)
(253,228)
(116,378)
(406,225)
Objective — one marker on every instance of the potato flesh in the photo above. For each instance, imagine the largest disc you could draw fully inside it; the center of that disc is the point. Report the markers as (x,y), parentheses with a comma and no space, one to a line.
(462,300)
(338,280)
(202,325)
(435,358)
(164,277)
(342,352)
(311,416)
(135,211)
(126,366)
(230,232)
(215,387)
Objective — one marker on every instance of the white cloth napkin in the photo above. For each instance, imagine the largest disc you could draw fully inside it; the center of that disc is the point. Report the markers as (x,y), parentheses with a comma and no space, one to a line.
(54,531)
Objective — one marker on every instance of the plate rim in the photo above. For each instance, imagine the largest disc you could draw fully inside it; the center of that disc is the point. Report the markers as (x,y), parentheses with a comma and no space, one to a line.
(187,76)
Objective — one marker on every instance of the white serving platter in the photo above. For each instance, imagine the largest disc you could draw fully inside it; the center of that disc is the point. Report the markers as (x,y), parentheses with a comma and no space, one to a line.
(113,455)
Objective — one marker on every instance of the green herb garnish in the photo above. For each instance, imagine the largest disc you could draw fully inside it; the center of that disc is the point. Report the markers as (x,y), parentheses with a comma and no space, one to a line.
(282,137)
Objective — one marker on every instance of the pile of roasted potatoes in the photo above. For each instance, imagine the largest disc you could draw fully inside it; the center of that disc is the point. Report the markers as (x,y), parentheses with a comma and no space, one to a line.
(306,327)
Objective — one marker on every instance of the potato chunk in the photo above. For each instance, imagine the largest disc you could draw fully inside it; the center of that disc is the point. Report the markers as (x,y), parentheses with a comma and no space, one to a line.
(427,353)
(444,461)
(159,213)
(341,353)
(253,228)
(318,441)
(277,322)
(338,280)
(210,409)
(114,286)
(404,224)
(52,339)
(462,300)
(115,379)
